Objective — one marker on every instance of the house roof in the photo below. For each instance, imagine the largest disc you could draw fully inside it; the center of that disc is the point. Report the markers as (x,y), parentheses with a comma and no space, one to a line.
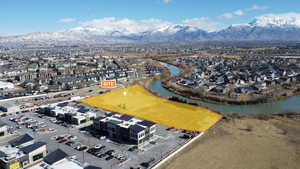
(21,140)
(32,147)
(55,156)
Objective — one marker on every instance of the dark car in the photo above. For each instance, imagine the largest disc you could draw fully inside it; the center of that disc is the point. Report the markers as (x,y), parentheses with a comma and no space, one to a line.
(83,148)
(186,136)
(133,148)
(91,151)
(62,141)
(59,138)
(70,143)
(101,155)
(109,158)
(110,152)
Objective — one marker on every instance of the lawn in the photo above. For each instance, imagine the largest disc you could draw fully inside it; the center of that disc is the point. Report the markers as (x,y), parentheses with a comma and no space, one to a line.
(140,103)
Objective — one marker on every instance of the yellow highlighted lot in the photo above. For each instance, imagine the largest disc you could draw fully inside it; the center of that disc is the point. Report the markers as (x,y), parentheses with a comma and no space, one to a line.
(140,103)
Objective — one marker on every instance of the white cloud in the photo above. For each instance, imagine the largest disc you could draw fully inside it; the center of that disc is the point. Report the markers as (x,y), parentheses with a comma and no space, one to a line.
(230,15)
(125,25)
(225,16)
(167,1)
(204,23)
(258,8)
(67,20)
(241,12)
(238,12)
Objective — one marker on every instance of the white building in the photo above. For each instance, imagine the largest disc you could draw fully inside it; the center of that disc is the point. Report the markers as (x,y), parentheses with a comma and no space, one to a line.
(71,114)
(6,85)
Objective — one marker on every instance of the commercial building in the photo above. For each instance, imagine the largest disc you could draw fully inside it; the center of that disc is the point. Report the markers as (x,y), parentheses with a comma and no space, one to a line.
(125,128)
(71,114)
(22,156)
(22,141)
(58,160)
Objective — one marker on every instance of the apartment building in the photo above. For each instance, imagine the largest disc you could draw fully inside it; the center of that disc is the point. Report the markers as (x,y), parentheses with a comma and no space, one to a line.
(125,128)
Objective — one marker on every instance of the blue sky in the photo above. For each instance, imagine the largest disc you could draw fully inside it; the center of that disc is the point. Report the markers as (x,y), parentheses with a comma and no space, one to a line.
(24,16)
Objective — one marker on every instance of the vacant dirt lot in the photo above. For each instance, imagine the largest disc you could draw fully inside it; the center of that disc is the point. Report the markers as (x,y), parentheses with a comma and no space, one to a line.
(245,143)
(139,102)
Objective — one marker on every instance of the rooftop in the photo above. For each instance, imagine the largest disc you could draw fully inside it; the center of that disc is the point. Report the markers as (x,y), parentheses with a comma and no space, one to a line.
(64,164)
(55,157)
(32,147)
(21,140)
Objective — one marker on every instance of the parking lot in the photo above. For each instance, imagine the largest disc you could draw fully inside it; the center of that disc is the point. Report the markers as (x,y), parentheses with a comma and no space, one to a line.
(88,149)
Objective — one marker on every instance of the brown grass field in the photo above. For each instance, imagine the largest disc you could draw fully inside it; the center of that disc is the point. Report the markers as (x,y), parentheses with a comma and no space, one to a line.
(139,102)
(245,143)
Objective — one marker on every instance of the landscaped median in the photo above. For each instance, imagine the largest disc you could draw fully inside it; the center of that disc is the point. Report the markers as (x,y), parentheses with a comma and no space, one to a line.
(140,103)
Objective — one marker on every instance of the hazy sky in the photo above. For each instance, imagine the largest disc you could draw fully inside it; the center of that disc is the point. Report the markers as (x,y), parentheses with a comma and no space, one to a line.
(24,16)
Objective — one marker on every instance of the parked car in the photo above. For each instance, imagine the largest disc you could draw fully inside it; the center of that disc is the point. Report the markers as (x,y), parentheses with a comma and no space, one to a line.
(72,137)
(63,141)
(97,146)
(133,148)
(101,155)
(91,150)
(59,138)
(51,129)
(70,143)
(83,148)
(109,158)
(109,152)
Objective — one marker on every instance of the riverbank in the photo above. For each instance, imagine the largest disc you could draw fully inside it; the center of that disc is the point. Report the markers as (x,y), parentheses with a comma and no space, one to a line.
(186,92)
(278,94)
(245,141)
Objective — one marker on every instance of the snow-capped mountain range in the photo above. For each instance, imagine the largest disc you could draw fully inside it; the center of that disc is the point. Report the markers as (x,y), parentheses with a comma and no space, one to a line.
(264,28)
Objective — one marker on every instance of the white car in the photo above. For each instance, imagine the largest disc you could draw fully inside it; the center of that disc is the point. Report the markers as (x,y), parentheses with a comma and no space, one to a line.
(43,126)
(51,129)
(97,146)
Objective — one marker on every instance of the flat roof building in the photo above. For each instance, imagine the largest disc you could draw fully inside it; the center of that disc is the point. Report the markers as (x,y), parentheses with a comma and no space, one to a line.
(14,157)
(125,128)
(71,114)
(58,160)
(22,141)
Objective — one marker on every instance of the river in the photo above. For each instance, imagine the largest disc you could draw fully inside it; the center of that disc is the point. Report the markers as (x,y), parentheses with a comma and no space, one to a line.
(291,104)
